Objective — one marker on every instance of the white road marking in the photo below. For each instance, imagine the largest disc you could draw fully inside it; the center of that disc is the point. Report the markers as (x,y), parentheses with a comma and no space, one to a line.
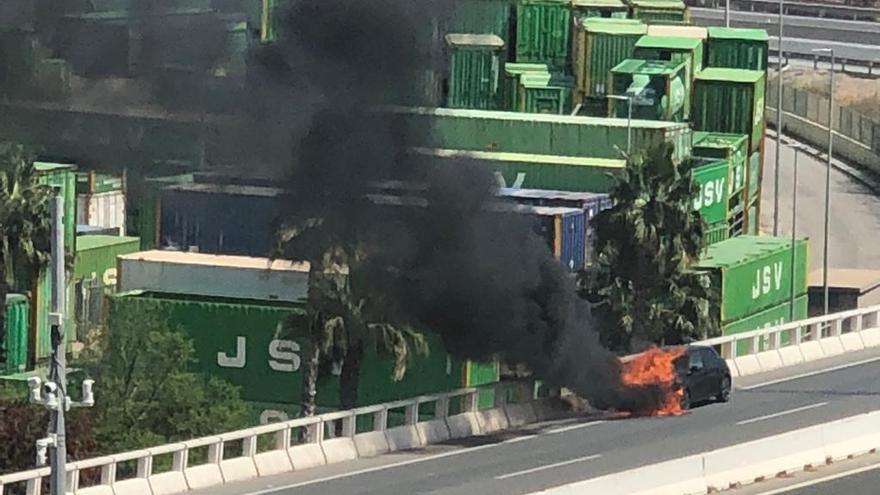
(548,466)
(412,461)
(782,413)
(574,427)
(811,373)
(825,479)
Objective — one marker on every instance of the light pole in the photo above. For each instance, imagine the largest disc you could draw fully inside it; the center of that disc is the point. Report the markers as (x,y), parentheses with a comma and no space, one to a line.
(53,393)
(793,232)
(830,51)
(629,114)
(726,13)
(779,57)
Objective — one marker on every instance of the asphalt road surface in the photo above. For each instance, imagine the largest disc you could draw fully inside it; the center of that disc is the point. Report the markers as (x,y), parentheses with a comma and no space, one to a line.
(809,28)
(564,452)
(854,240)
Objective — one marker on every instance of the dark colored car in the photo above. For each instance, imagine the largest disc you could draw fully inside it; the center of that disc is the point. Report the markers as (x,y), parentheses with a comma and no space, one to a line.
(703,375)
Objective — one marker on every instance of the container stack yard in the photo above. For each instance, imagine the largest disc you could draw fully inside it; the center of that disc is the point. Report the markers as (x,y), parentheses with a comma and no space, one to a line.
(550,95)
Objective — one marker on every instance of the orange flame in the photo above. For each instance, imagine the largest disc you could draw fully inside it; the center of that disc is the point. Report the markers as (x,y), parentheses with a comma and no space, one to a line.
(655,367)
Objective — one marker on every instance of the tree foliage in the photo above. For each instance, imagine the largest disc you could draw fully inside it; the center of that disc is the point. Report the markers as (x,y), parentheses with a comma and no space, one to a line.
(639,284)
(23,424)
(344,321)
(25,224)
(145,393)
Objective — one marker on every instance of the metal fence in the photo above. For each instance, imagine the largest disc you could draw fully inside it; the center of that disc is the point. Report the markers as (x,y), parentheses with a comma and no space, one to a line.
(811,106)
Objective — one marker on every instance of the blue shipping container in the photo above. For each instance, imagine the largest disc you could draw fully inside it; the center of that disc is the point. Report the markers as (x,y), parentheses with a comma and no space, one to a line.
(564,229)
(219,219)
(590,203)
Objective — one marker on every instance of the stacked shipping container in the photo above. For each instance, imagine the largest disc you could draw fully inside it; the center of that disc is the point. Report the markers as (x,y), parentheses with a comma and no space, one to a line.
(756,278)
(17,334)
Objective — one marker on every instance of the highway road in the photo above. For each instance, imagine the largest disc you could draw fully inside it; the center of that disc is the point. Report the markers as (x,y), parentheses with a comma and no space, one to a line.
(566,451)
(811,28)
(855,225)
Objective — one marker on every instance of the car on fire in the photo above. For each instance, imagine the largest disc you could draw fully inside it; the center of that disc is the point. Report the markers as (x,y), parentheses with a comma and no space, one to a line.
(702,376)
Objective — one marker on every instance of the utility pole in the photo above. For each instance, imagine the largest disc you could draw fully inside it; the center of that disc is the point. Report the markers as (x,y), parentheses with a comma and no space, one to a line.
(779,126)
(53,394)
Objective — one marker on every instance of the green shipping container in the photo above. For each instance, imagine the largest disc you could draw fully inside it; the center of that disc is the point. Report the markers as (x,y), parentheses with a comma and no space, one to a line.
(62,176)
(599,45)
(512,74)
(730,147)
(775,316)
(259,346)
(585,9)
(660,11)
(738,48)
(96,256)
(17,328)
(542,32)
(730,100)
(563,135)
(754,273)
(713,180)
(550,172)
(677,49)
(474,70)
(93,277)
(92,182)
(657,87)
(481,17)
(715,233)
(544,93)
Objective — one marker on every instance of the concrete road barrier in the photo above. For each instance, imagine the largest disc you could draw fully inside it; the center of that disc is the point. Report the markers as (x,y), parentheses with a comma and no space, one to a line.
(791,355)
(520,414)
(492,420)
(769,360)
(871,338)
(672,477)
(464,425)
(433,431)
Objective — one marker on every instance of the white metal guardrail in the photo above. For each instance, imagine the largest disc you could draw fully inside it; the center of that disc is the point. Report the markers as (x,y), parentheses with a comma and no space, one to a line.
(296,444)
(790,344)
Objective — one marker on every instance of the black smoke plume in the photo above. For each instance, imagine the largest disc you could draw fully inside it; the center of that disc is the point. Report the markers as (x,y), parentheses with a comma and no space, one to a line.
(484,281)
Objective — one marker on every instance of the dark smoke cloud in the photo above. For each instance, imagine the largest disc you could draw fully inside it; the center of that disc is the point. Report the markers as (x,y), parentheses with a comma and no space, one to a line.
(482,280)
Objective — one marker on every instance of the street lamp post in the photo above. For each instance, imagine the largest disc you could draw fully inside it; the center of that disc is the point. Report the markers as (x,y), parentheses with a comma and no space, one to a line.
(629,114)
(779,57)
(830,51)
(793,232)
(726,13)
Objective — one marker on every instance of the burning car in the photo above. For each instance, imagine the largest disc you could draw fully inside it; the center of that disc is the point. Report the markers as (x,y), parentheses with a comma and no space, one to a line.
(681,376)
(702,375)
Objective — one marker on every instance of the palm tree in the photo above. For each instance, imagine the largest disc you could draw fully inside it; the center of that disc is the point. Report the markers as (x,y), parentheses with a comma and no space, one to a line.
(343,323)
(640,284)
(25,224)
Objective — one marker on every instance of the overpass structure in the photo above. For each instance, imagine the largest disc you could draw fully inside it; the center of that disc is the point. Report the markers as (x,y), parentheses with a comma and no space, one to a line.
(792,376)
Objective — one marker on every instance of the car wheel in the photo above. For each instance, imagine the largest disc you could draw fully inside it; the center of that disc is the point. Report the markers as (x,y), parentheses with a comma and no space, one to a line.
(724,393)
(686,400)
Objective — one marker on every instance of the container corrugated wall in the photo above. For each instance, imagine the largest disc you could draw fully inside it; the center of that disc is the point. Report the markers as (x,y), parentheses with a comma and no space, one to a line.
(542,32)
(733,148)
(544,134)
(106,209)
(597,51)
(525,171)
(481,17)
(713,181)
(747,50)
(774,316)
(260,348)
(63,177)
(754,273)
(715,233)
(228,220)
(474,72)
(742,100)
(17,329)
